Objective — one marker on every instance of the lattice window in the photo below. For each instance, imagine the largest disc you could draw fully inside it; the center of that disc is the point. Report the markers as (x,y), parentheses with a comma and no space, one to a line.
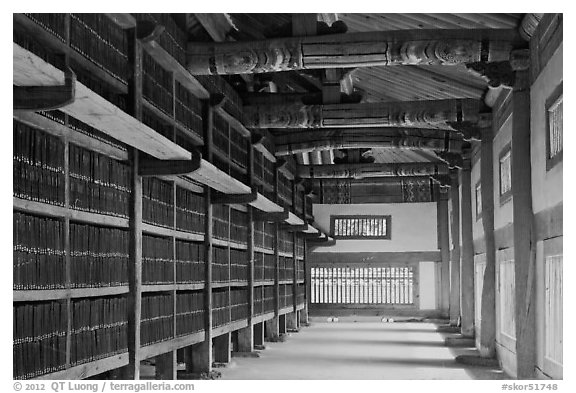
(554,121)
(360,227)
(553,309)
(505,174)
(363,285)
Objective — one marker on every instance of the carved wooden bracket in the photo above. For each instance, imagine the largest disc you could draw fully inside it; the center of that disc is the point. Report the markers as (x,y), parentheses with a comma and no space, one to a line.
(45,98)
(443,180)
(453,160)
(148,31)
(469,131)
(498,73)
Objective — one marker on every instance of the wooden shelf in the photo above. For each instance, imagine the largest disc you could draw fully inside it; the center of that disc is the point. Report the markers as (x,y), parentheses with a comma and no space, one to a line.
(94,110)
(220,284)
(311,230)
(24,23)
(286,282)
(166,118)
(263,317)
(285,254)
(300,306)
(229,243)
(156,349)
(89,369)
(264,250)
(190,287)
(266,205)
(234,123)
(209,175)
(51,127)
(301,281)
(181,74)
(169,232)
(238,284)
(293,219)
(172,287)
(262,283)
(286,310)
(30,295)
(230,327)
(46,209)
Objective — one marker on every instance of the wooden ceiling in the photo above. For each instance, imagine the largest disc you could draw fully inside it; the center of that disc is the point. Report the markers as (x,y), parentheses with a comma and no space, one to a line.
(373,84)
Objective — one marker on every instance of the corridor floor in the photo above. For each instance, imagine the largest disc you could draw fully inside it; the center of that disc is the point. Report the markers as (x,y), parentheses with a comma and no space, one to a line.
(359,350)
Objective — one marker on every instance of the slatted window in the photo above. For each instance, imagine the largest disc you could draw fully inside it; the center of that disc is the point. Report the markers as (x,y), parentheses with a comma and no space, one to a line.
(506,288)
(360,227)
(478,201)
(553,309)
(363,285)
(554,121)
(505,174)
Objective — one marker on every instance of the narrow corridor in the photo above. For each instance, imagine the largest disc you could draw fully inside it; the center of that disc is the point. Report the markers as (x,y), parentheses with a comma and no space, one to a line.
(360,350)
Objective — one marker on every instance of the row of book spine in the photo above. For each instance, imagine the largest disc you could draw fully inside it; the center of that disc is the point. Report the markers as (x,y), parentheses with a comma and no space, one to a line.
(301,271)
(85,129)
(258,266)
(98,256)
(52,22)
(157,321)
(300,246)
(221,221)
(38,257)
(158,124)
(286,241)
(269,267)
(38,165)
(157,260)
(98,183)
(157,202)
(221,134)
(285,189)
(217,84)
(238,265)
(188,109)
(190,265)
(220,307)
(189,312)
(220,264)
(102,42)
(238,148)
(238,226)
(39,338)
(238,304)
(190,210)
(268,298)
(99,328)
(286,268)
(300,293)
(258,300)
(157,84)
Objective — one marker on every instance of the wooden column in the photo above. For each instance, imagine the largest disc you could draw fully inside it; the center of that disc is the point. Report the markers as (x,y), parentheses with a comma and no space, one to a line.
(455,254)
(134,305)
(467,250)
(524,234)
(444,246)
(272,329)
(222,350)
(488,306)
(166,366)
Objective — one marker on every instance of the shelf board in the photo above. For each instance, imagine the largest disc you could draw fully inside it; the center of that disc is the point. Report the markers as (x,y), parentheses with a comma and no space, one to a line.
(51,127)
(264,250)
(30,295)
(190,287)
(229,243)
(300,306)
(209,175)
(238,284)
(262,283)
(94,110)
(293,219)
(286,282)
(89,369)
(24,23)
(46,209)
(263,317)
(220,284)
(169,232)
(185,78)
(156,349)
(285,254)
(286,310)
(158,287)
(266,205)
(230,327)
(125,21)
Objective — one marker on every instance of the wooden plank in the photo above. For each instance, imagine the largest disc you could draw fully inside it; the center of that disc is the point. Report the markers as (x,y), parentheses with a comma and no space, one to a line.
(93,109)
(62,212)
(156,349)
(455,290)
(236,198)
(265,205)
(125,21)
(51,127)
(55,294)
(86,370)
(209,175)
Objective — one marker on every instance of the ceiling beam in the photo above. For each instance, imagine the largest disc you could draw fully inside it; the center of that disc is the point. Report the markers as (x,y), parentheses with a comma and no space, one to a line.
(424,114)
(401,138)
(361,171)
(365,49)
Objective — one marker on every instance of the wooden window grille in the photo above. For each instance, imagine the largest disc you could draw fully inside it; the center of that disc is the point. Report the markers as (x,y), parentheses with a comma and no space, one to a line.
(553,309)
(554,126)
(505,163)
(360,227)
(506,282)
(392,285)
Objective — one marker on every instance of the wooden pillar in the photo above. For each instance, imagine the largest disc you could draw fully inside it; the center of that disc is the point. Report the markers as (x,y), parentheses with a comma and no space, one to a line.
(467,250)
(444,246)
(166,366)
(282,324)
(292,320)
(455,254)
(524,236)
(222,348)
(258,331)
(272,329)
(246,339)
(488,305)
